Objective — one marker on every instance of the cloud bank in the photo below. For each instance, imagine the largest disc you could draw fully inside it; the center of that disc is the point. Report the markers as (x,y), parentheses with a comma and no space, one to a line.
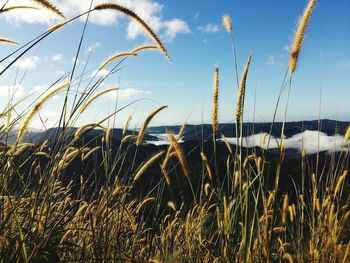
(310,141)
(149,10)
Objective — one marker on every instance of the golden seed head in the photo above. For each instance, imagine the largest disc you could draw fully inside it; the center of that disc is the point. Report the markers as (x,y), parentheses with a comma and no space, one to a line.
(147,121)
(138,19)
(300,35)
(226,21)
(215,123)
(241,91)
(347,135)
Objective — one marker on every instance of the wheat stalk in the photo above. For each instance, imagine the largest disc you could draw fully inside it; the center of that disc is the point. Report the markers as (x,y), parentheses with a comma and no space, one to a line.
(37,107)
(241,91)
(215,123)
(95,97)
(50,7)
(300,35)
(134,16)
(147,164)
(145,124)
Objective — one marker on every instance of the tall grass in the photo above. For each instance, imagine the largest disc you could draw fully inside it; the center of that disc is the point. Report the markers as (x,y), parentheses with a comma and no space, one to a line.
(79,198)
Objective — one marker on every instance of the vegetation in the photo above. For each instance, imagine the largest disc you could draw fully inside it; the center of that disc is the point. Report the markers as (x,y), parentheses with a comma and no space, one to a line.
(72,200)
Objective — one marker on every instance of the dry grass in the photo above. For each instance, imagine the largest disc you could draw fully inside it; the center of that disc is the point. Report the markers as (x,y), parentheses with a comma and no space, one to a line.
(79,199)
(300,35)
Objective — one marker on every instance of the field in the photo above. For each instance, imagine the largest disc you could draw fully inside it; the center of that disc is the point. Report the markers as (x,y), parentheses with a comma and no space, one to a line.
(99,194)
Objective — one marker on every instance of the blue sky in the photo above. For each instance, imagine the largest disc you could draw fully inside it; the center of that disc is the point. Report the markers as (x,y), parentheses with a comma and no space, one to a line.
(193,33)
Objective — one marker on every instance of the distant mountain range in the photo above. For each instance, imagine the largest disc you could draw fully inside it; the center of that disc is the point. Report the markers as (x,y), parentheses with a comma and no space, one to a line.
(201,132)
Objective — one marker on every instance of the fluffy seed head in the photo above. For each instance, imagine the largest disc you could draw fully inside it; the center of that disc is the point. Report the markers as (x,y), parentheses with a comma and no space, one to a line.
(4,10)
(95,97)
(300,35)
(47,5)
(241,91)
(215,123)
(8,41)
(180,155)
(114,57)
(55,27)
(226,21)
(138,19)
(347,135)
(37,107)
(147,121)
(147,164)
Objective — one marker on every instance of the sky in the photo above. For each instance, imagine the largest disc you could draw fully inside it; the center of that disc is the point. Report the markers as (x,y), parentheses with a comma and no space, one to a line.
(197,42)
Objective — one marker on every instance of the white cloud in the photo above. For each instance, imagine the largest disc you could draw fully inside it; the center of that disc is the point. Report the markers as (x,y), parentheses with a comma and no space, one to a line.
(100,73)
(93,47)
(59,72)
(130,92)
(57,58)
(13,90)
(148,10)
(307,139)
(29,63)
(48,118)
(209,28)
(74,59)
(39,88)
(273,61)
(174,27)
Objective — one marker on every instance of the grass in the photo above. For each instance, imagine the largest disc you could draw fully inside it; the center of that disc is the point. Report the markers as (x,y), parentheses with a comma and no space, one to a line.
(80,198)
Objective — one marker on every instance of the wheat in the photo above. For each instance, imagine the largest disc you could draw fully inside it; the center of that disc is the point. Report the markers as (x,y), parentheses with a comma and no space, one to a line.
(95,97)
(226,21)
(50,7)
(215,123)
(37,107)
(147,164)
(300,35)
(134,16)
(145,124)
(114,57)
(241,91)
